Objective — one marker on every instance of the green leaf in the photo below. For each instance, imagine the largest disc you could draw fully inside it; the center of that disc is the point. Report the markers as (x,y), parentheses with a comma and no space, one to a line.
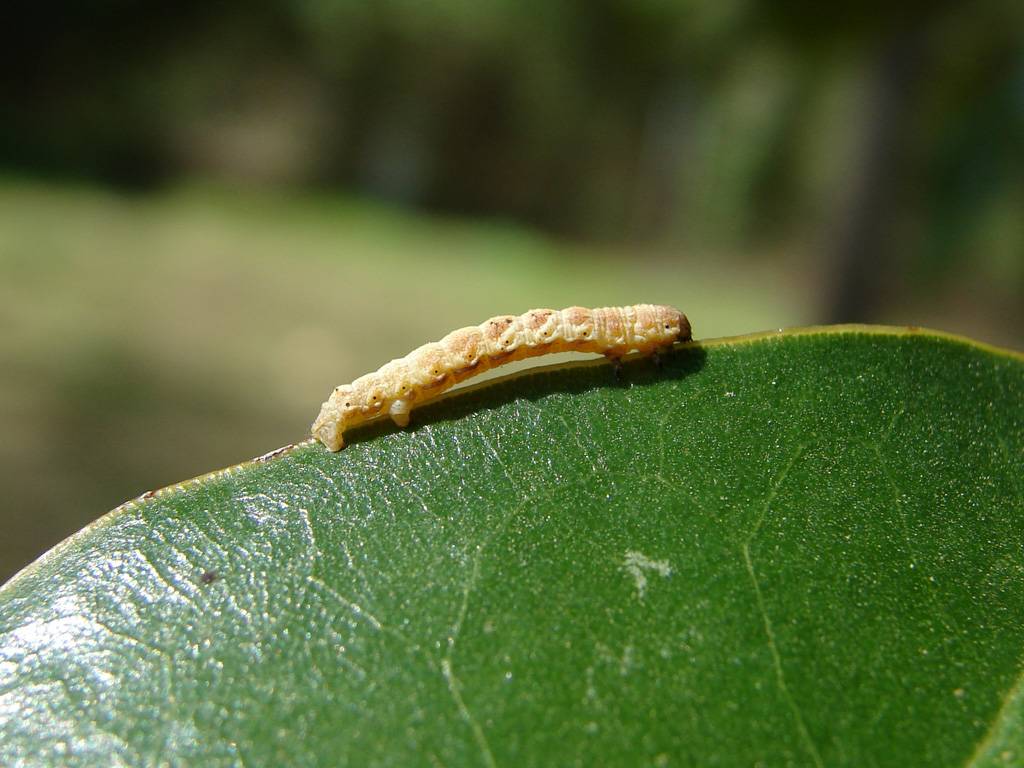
(794,549)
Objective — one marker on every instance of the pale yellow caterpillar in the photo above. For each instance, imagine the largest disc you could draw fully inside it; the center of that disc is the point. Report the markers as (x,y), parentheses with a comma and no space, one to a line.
(425,372)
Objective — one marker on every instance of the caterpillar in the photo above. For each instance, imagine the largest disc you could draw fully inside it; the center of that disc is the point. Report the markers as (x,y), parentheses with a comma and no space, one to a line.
(466,352)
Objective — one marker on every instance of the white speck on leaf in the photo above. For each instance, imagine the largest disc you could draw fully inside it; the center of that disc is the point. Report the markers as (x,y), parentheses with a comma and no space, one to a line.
(636,563)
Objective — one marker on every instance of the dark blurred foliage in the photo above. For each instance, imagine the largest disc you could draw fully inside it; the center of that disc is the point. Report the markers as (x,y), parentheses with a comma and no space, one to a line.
(626,119)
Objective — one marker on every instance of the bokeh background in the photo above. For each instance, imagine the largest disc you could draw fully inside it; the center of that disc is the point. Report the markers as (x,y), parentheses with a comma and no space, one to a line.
(212,212)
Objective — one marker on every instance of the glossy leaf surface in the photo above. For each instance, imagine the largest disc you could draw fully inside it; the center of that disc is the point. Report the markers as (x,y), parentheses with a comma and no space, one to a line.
(795,549)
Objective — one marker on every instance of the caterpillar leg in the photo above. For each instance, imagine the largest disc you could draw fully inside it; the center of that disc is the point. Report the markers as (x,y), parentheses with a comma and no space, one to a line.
(330,435)
(400,412)
(616,361)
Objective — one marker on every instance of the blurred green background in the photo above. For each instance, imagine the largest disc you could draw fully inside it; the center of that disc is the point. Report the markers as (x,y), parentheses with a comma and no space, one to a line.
(213,212)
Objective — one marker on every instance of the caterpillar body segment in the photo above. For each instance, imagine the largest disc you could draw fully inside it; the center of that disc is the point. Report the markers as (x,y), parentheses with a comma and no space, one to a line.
(431,369)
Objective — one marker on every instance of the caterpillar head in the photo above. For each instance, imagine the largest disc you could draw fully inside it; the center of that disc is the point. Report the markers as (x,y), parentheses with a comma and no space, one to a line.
(670,325)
